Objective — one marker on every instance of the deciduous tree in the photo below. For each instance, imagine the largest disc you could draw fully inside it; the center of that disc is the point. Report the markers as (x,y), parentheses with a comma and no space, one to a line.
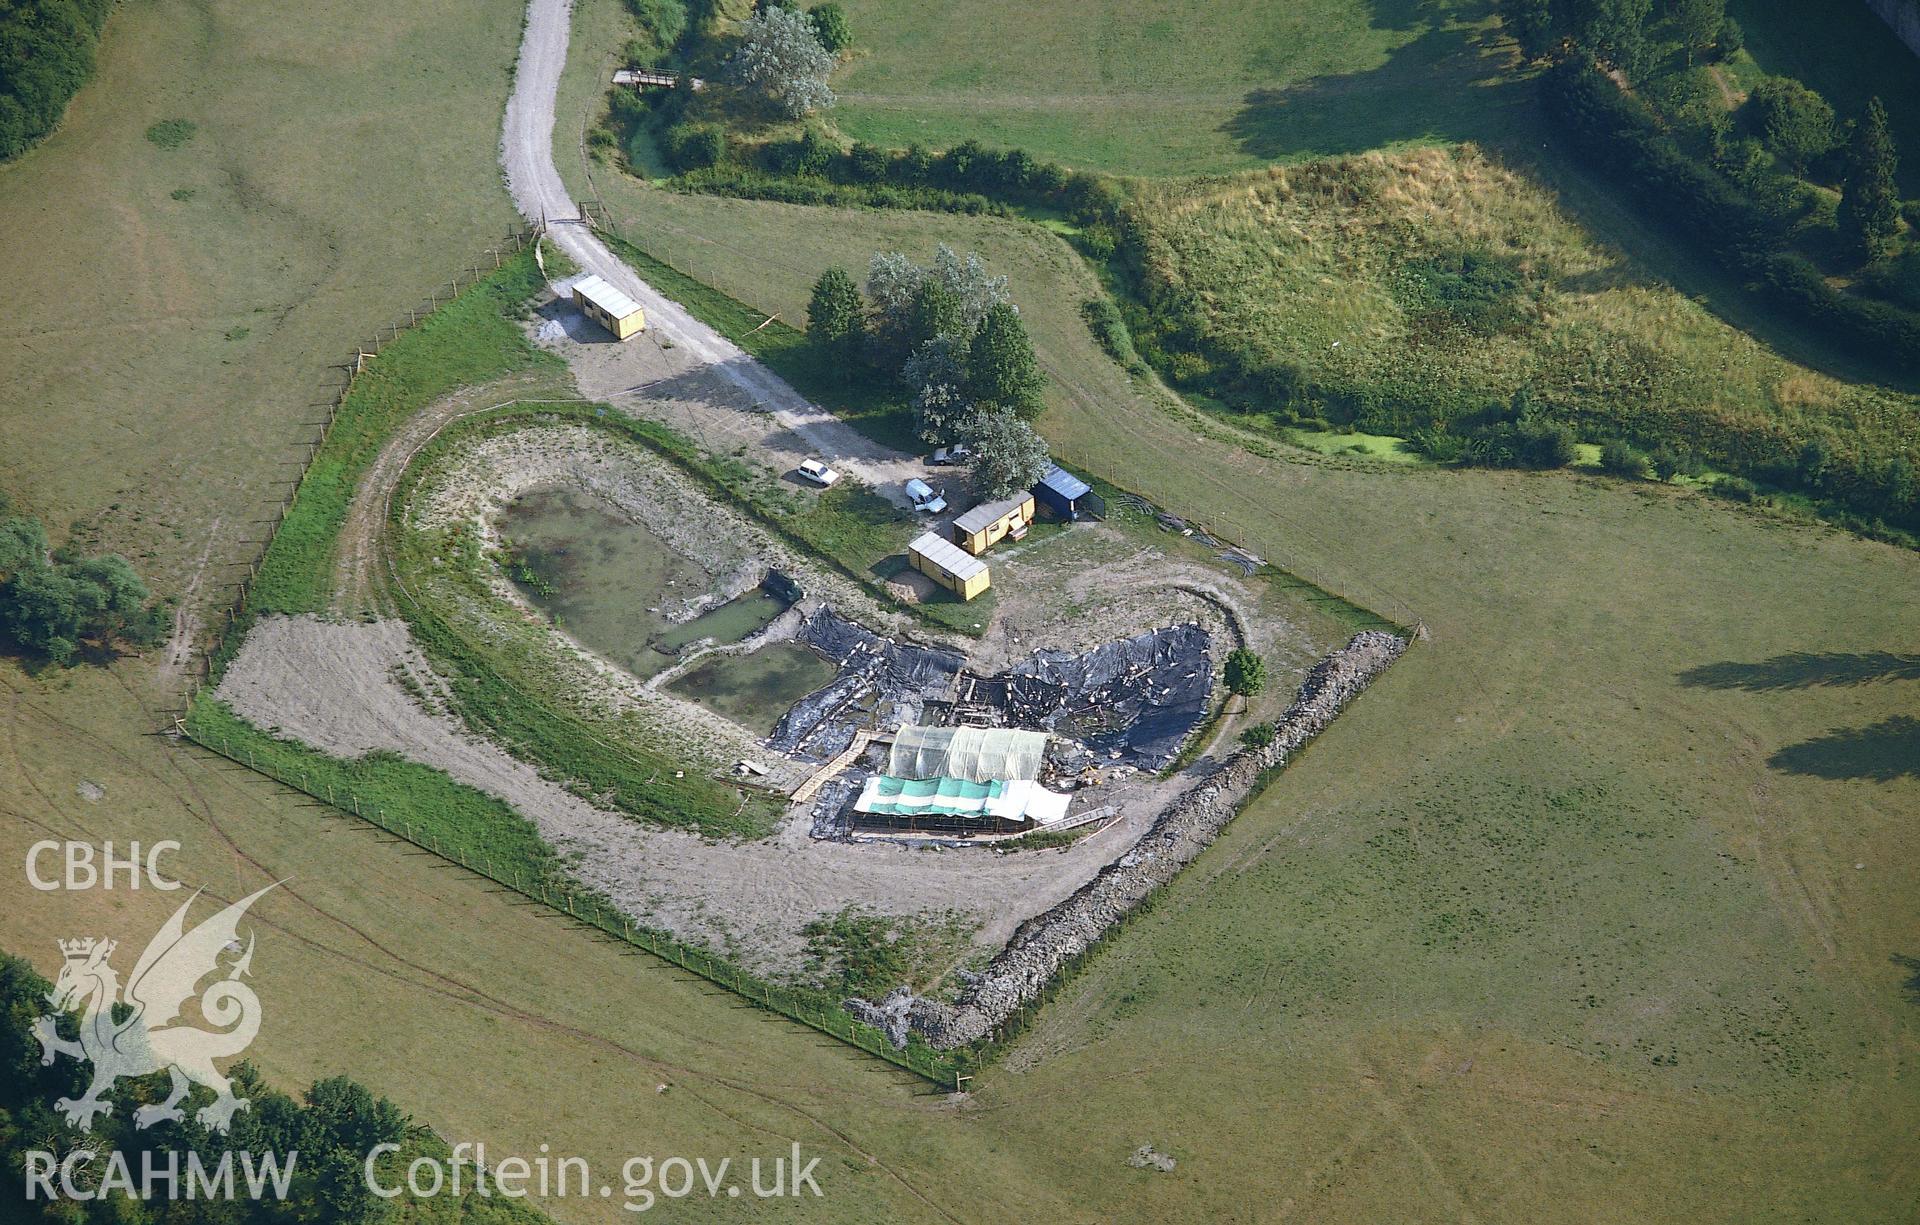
(1698,23)
(1001,368)
(780,57)
(831,27)
(1246,672)
(1008,454)
(899,324)
(1794,123)
(1614,31)
(937,375)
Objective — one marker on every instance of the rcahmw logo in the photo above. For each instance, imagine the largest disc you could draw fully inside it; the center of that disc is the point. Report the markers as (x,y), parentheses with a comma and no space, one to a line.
(162,1175)
(137,1030)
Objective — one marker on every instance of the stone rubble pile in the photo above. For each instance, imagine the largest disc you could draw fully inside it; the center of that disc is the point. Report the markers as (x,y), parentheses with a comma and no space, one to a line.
(1045,943)
(889,1016)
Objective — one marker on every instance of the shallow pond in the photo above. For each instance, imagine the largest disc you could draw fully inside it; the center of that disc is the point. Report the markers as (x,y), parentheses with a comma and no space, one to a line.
(597,574)
(754,690)
(729,623)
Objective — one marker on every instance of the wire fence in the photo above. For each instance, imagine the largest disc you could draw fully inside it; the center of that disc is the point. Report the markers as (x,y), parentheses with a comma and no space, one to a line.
(940,1069)
(1228,541)
(489,261)
(943,1069)
(592,911)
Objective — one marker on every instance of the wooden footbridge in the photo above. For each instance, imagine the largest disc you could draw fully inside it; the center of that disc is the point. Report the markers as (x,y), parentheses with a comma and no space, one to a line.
(847,756)
(651,78)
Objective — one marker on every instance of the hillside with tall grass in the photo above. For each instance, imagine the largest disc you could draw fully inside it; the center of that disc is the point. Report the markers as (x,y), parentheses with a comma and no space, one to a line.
(1425,289)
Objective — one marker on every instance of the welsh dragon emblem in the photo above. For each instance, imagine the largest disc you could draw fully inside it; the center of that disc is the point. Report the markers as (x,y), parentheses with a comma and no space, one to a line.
(152,1036)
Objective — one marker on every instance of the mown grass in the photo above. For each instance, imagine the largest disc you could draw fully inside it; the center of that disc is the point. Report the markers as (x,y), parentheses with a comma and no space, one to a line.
(1173,89)
(1308,268)
(462,819)
(1533,865)
(470,341)
(205,290)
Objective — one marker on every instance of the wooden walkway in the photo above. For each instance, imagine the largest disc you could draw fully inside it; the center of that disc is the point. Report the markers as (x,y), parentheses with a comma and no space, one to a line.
(847,756)
(1083,818)
(651,78)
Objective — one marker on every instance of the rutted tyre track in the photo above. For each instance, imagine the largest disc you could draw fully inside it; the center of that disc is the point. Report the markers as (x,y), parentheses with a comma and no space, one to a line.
(356,557)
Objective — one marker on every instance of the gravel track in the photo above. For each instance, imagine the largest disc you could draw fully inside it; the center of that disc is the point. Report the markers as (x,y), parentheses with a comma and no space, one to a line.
(526,154)
(329,684)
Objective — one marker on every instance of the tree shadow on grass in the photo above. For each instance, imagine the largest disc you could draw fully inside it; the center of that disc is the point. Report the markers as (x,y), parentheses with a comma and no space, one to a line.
(1912,984)
(1453,83)
(1881,753)
(1804,670)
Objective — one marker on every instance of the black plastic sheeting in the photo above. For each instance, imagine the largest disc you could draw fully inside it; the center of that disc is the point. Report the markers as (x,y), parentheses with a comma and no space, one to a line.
(1133,702)
(881,683)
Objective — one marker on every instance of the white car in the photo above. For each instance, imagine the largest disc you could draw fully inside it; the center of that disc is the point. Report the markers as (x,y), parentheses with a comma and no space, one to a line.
(817,472)
(923,497)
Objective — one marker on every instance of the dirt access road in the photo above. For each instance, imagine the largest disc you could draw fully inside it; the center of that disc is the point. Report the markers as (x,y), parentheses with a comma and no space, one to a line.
(526,153)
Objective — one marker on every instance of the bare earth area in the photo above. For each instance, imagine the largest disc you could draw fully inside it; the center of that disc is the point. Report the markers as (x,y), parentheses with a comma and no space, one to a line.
(353,687)
(328,684)
(656,376)
(526,154)
(360,686)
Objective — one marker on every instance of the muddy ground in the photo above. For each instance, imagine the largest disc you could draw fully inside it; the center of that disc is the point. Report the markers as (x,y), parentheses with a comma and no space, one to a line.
(329,684)
(351,687)
(339,687)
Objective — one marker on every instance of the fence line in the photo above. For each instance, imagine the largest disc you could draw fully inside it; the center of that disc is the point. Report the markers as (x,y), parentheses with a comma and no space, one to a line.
(515,242)
(940,1069)
(1232,536)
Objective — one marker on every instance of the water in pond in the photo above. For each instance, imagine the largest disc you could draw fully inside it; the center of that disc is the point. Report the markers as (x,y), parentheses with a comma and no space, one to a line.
(754,690)
(597,574)
(729,623)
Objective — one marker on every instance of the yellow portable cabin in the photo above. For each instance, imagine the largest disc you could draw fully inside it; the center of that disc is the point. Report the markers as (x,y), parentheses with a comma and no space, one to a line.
(609,307)
(990,522)
(943,562)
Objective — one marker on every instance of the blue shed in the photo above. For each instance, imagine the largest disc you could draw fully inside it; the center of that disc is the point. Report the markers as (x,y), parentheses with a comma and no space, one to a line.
(1061,492)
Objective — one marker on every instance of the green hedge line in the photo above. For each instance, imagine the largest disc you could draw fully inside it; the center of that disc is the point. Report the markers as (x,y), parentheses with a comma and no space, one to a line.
(479,832)
(386,789)
(46,55)
(469,341)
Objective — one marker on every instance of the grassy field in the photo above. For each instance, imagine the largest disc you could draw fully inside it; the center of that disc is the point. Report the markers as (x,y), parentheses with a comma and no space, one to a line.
(173,318)
(1554,758)
(1175,86)
(1321,268)
(1558,896)
(1369,1001)
(471,341)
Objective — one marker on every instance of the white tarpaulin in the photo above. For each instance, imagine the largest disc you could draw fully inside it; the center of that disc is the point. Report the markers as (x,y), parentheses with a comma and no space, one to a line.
(979,754)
